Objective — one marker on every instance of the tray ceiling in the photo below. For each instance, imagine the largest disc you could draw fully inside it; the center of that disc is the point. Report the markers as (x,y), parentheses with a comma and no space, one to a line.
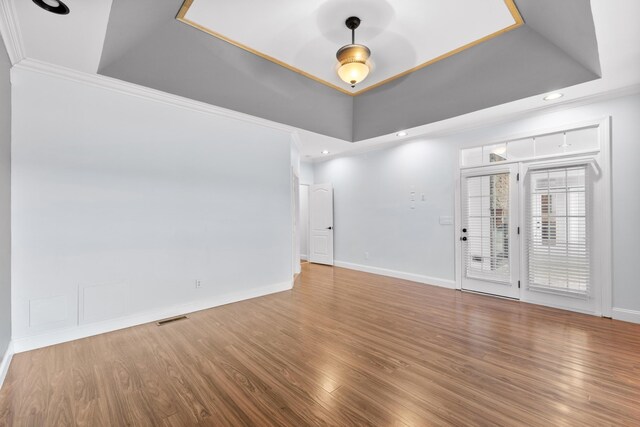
(555,48)
(403,35)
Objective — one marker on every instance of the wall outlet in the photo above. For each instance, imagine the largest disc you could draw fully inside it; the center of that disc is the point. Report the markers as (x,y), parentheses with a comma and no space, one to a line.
(198,284)
(366,255)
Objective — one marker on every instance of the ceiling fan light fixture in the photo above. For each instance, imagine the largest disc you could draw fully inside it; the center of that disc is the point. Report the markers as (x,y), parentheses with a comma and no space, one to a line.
(353,57)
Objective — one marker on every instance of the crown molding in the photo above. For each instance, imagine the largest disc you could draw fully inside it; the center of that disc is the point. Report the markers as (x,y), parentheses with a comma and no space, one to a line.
(132,89)
(10,31)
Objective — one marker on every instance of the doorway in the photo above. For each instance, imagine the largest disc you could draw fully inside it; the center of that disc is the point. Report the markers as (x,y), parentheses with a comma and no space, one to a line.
(489,230)
(321,224)
(534,219)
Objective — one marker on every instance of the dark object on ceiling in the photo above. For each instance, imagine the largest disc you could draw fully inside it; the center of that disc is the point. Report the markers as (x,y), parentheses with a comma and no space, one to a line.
(53,6)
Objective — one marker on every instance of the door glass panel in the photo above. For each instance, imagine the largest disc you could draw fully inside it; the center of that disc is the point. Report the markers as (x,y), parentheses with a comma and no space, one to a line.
(557,234)
(487,223)
(494,153)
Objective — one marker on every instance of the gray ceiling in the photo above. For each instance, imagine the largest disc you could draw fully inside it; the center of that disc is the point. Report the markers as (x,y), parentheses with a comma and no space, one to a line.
(555,48)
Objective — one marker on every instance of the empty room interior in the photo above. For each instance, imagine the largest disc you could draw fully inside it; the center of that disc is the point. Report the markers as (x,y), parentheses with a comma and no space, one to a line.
(319,213)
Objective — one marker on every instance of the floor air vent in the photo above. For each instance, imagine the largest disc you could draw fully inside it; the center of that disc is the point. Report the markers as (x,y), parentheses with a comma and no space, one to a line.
(170,320)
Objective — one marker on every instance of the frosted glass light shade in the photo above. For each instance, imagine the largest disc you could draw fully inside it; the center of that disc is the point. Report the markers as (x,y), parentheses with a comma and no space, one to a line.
(353,63)
(353,72)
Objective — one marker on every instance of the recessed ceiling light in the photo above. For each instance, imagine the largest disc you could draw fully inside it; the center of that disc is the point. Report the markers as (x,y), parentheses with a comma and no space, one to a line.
(325,152)
(53,6)
(552,96)
(402,133)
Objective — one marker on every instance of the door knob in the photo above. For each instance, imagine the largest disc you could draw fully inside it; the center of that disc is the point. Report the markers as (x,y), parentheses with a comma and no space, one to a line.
(329,228)
(464,239)
(464,230)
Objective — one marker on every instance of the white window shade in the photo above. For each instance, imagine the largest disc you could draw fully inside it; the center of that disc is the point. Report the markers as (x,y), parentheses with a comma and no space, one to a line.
(487,223)
(557,237)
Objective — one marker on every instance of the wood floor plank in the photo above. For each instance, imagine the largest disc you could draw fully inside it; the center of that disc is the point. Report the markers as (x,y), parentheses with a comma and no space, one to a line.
(342,348)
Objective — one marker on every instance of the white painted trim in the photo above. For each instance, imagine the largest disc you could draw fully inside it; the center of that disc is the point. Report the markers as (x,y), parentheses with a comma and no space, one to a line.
(560,307)
(535,133)
(457,234)
(119,86)
(6,361)
(304,257)
(296,268)
(606,206)
(625,315)
(444,283)
(10,30)
(69,334)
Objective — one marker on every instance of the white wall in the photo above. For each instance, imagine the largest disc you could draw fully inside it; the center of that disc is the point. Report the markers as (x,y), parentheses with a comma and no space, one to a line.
(121,203)
(5,203)
(374,222)
(373,212)
(306,173)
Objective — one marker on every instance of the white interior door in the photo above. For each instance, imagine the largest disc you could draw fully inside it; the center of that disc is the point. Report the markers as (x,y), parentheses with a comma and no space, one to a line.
(489,234)
(321,221)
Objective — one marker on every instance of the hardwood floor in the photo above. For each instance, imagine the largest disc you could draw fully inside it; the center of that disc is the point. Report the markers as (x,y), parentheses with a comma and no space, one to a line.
(342,348)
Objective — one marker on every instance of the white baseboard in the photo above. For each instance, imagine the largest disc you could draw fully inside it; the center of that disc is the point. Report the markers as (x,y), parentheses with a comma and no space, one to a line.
(303,257)
(6,361)
(445,283)
(69,334)
(626,315)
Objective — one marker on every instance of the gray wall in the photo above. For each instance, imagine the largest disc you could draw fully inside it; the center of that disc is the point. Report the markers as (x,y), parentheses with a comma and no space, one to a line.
(516,65)
(373,212)
(182,60)
(5,200)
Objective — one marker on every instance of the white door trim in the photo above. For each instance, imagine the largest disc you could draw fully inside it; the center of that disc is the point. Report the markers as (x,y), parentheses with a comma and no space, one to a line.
(295,219)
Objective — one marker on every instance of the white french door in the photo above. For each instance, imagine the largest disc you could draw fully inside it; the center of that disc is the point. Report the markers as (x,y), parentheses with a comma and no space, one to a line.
(535,218)
(529,231)
(561,246)
(489,230)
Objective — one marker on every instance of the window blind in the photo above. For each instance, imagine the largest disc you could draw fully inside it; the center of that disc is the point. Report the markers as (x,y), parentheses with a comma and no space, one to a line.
(557,240)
